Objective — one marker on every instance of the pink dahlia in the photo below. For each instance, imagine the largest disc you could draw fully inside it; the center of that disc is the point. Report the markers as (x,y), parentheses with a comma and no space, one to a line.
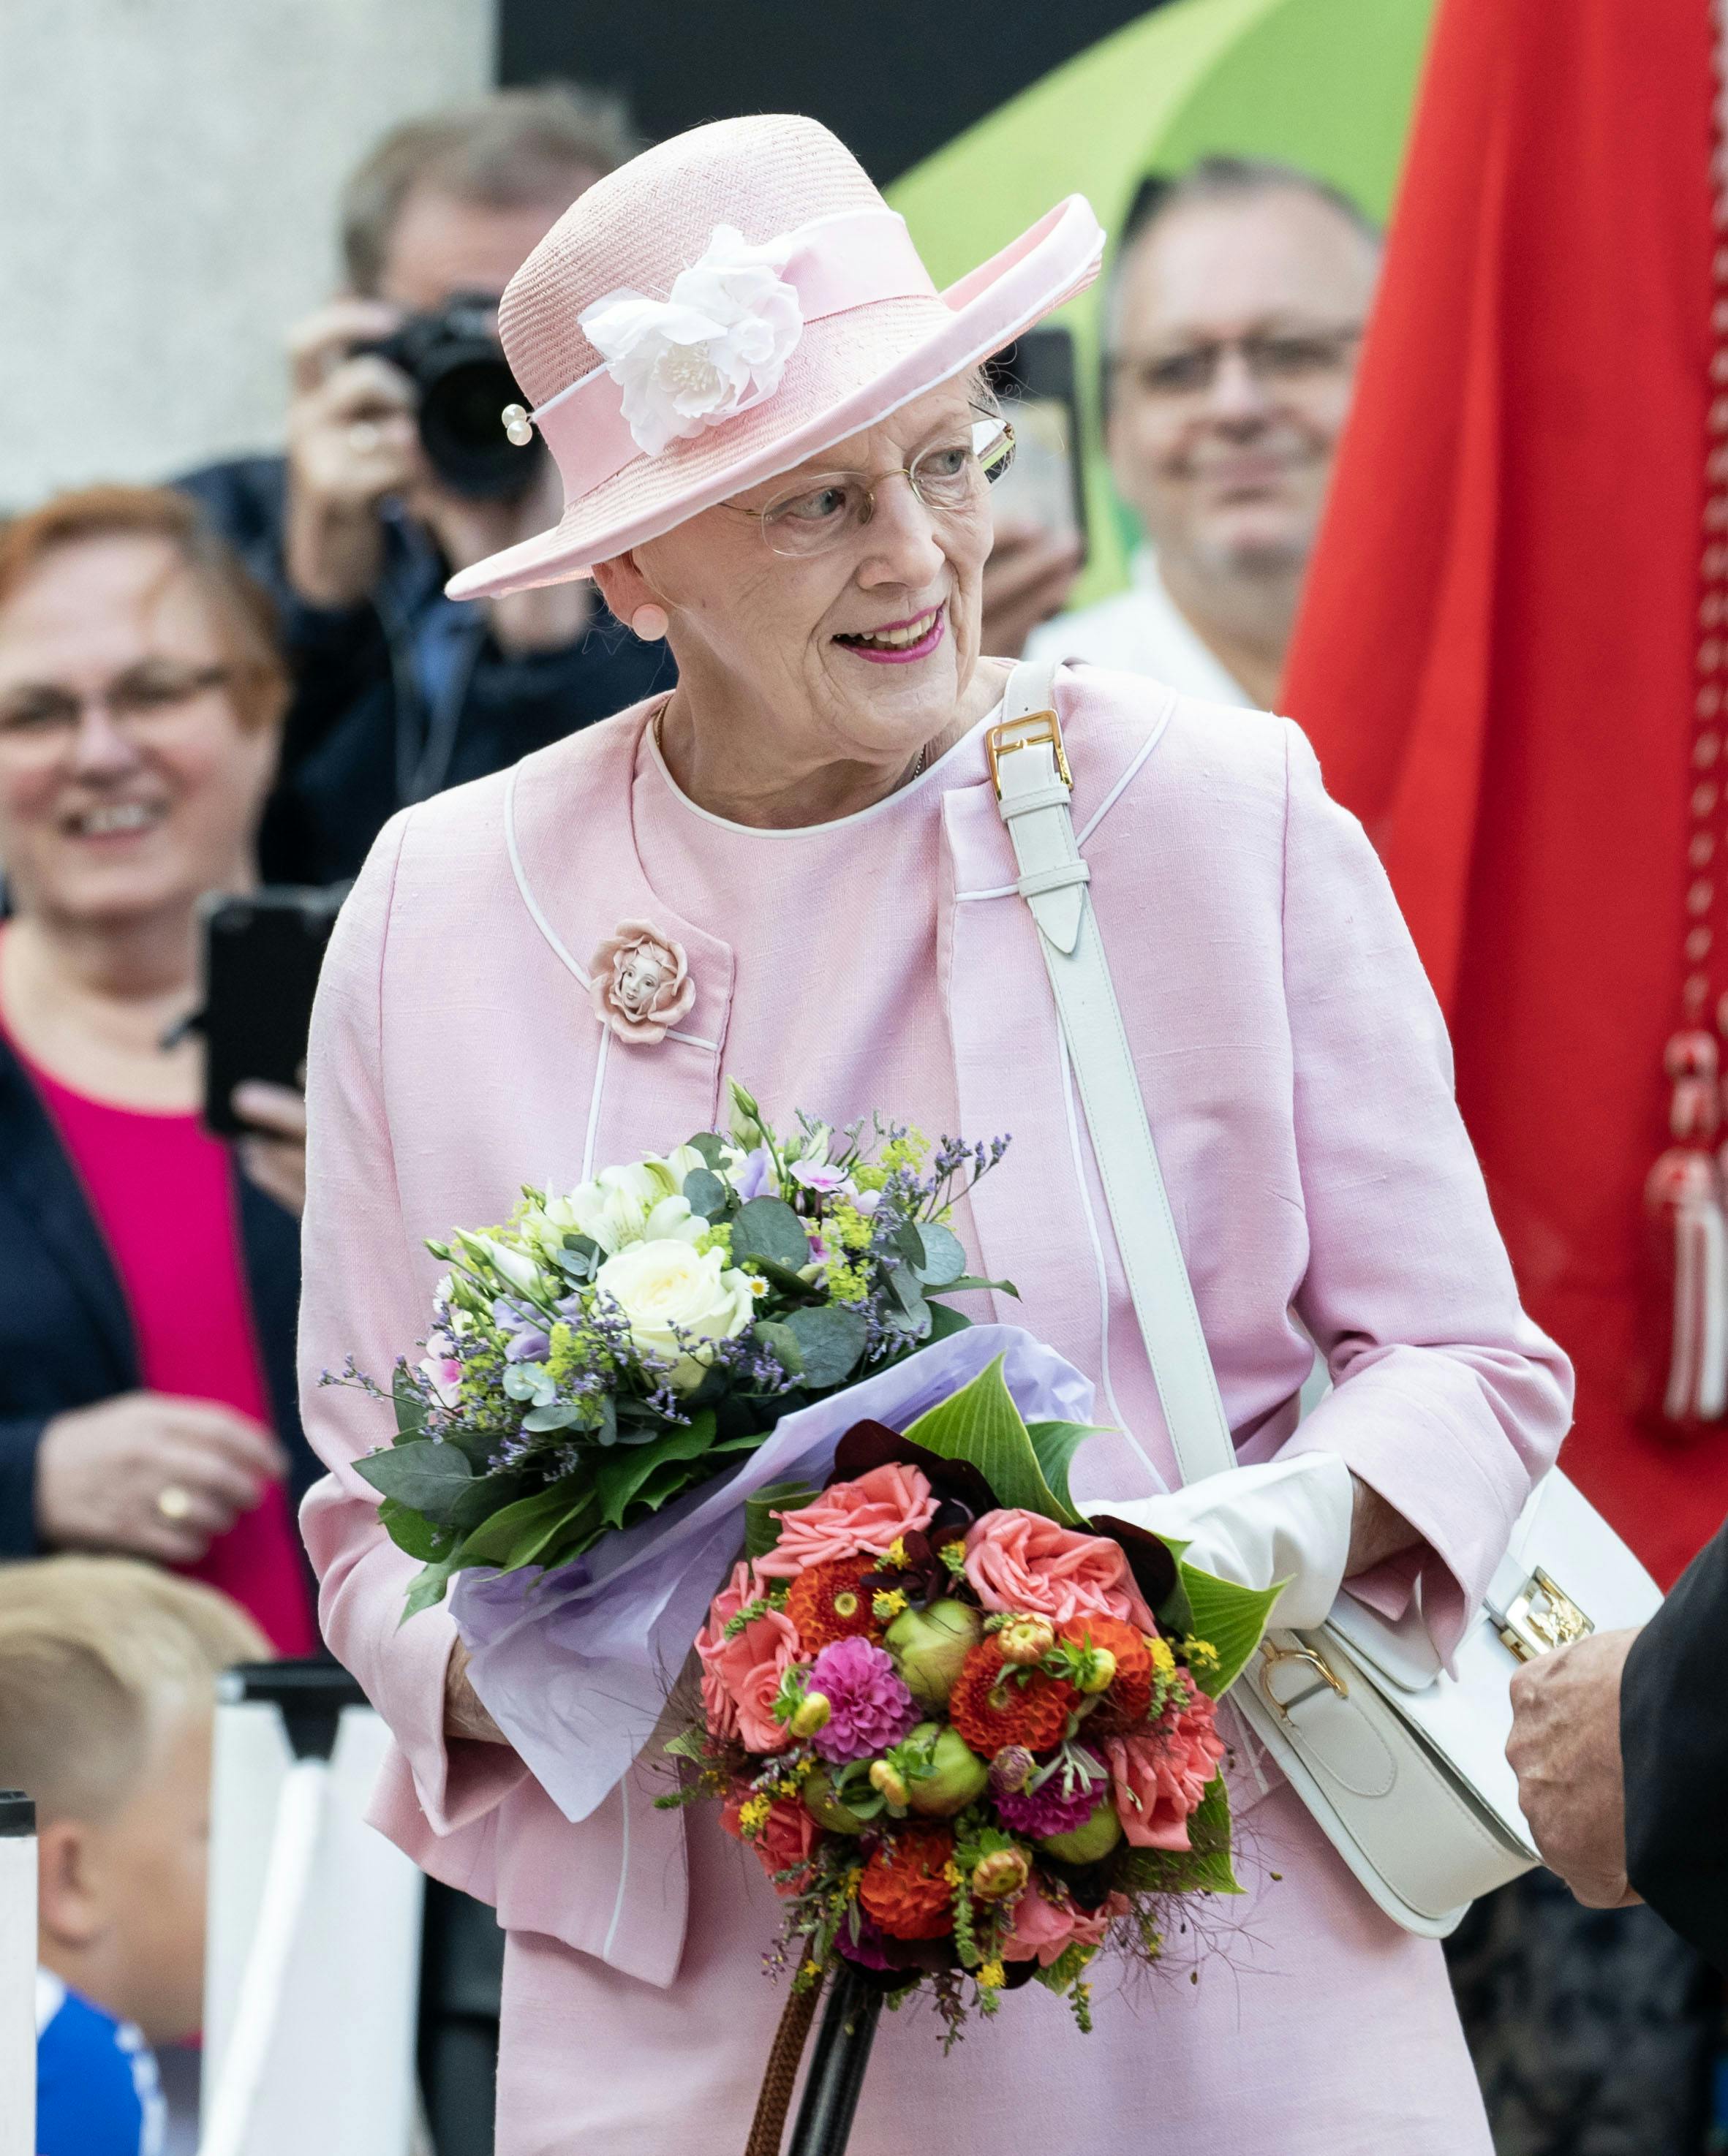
(868,1706)
(1064,1802)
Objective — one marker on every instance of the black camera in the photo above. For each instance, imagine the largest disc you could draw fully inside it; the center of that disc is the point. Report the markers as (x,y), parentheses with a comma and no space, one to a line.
(455,360)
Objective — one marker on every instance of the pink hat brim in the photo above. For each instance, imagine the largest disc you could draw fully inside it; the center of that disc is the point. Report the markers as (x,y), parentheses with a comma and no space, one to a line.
(1057,257)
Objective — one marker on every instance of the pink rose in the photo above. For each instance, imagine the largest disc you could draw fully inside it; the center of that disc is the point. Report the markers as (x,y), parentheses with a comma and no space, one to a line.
(640,984)
(741,1677)
(1019,1561)
(869,1514)
(784,1839)
(1043,1928)
(1159,1774)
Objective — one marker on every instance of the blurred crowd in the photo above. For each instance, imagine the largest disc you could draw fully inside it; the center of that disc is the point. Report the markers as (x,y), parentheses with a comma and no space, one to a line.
(232,681)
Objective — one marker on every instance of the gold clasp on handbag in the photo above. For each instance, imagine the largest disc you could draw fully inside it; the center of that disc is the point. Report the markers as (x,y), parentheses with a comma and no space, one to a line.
(1035,727)
(1541,1617)
(1273,1657)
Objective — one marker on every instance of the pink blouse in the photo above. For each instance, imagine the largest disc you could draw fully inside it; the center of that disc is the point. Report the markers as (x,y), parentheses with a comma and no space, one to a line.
(161,1191)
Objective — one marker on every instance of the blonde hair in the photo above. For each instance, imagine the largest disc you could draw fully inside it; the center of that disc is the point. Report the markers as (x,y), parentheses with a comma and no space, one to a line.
(97,1654)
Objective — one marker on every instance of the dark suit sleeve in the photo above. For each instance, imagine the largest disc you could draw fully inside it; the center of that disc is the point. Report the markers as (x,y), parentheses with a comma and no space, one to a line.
(19,1436)
(1674,1735)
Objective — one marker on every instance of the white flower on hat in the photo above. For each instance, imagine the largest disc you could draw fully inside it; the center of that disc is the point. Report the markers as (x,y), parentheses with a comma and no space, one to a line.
(716,345)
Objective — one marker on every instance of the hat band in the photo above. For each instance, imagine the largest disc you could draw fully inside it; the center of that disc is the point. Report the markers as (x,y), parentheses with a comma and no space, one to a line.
(833,264)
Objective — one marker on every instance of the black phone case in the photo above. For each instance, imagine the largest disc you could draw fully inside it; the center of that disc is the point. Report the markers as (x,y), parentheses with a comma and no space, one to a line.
(262,955)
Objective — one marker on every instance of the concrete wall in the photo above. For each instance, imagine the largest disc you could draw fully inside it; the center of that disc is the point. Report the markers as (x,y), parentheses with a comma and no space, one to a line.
(169,176)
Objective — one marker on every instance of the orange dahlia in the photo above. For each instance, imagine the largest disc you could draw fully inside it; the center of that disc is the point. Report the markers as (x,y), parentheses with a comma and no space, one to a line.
(830,1601)
(906,1888)
(994,1702)
(1125,1703)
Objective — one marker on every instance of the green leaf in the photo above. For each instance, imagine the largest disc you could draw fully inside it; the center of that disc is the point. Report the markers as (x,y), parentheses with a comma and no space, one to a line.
(410,1411)
(909,1244)
(428,1587)
(967,1281)
(487,1494)
(980,1424)
(1202,1868)
(425,1477)
(761,1530)
(830,1338)
(412,1532)
(944,1255)
(768,1228)
(1230,1619)
(784,1280)
(516,1531)
(711,1145)
(708,1196)
(908,1292)
(945,1320)
(781,1342)
(620,1475)
(1056,1444)
(691,1743)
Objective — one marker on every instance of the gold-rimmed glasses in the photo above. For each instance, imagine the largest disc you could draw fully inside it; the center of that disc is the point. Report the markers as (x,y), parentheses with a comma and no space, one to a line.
(951,478)
(39,720)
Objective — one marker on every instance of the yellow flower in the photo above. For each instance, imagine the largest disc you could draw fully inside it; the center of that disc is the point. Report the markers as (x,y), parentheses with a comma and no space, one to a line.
(895,1554)
(753,1814)
(951,1872)
(886,1608)
(1164,1662)
(852,1881)
(991,1976)
(1201,1651)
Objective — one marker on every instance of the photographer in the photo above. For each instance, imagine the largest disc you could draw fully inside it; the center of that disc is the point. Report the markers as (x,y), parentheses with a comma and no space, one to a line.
(398,472)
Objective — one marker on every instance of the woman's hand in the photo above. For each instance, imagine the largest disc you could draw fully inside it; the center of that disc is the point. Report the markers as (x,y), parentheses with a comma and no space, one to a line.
(276,1162)
(465,1714)
(151,1475)
(1026,579)
(1377,1532)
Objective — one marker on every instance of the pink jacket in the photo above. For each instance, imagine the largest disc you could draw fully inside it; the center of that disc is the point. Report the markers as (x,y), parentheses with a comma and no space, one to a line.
(1294,1068)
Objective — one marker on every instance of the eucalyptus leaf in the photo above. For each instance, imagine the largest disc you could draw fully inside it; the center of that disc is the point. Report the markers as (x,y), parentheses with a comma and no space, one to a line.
(907,1292)
(410,1410)
(762,1531)
(624,1472)
(708,1195)
(1056,1444)
(944,1255)
(783,1280)
(1230,1619)
(768,1228)
(981,1424)
(411,1532)
(909,1244)
(830,1338)
(426,1478)
(782,1343)
(711,1145)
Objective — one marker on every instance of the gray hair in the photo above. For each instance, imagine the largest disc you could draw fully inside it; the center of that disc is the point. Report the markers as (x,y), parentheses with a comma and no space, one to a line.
(1210,180)
(514,148)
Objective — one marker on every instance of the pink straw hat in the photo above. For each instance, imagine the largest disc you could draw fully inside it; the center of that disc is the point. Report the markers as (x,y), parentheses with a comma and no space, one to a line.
(721,308)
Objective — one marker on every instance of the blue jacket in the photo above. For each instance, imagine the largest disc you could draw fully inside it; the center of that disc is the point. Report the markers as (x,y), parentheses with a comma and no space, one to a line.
(65,1332)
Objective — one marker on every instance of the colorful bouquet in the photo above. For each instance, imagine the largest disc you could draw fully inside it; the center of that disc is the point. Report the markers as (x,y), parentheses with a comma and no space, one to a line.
(969,1736)
(606,1351)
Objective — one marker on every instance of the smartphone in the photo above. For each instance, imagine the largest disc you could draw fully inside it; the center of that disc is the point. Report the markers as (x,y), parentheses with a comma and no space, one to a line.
(261,954)
(1034,382)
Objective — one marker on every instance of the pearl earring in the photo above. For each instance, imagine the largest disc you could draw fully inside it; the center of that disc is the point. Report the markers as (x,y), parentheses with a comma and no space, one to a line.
(650,622)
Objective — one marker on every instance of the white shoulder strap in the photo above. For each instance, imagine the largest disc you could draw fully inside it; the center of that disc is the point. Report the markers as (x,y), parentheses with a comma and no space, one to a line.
(1033,789)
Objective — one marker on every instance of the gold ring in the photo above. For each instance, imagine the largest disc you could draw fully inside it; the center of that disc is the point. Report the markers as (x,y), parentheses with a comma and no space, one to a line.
(173,1502)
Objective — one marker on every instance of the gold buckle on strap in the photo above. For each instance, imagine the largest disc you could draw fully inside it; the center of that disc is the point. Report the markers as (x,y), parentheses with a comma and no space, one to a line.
(1542,1616)
(1273,1657)
(1035,727)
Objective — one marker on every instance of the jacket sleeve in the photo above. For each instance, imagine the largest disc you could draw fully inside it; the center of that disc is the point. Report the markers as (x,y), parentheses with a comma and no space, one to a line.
(19,1437)
(367,1296)
(1447,1400)
(1674,1743)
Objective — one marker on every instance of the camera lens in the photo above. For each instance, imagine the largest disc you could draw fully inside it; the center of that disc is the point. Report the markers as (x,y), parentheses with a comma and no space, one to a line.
(462,425)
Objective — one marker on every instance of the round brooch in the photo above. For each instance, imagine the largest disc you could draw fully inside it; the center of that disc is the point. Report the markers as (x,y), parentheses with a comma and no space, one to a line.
(641,982)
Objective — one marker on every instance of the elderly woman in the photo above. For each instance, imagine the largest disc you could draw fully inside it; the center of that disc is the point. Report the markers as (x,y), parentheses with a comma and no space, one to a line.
(776,455)
(148,1280)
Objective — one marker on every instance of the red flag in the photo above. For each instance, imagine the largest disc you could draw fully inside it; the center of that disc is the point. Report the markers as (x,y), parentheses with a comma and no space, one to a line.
(1497,658)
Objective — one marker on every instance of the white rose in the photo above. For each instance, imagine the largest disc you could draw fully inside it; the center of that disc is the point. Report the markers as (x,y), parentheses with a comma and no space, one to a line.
(716,345)
(666,1288)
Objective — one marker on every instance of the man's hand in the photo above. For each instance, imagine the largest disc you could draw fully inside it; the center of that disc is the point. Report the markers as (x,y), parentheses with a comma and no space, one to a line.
(1026,579)
(352,439)
(1565,1746)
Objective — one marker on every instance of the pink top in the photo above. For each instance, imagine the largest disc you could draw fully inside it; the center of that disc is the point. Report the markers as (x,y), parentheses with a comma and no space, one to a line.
(161,1191)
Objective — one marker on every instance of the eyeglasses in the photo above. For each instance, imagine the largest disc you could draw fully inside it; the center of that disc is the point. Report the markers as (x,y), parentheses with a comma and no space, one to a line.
(42,721)
(950,478)
(1275,358)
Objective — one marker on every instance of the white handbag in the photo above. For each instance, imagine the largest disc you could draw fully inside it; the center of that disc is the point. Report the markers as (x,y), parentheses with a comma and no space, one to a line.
(1402,1765)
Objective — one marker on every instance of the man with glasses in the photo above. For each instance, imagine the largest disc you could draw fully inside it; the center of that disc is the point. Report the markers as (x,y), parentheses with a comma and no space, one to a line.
(1233,318)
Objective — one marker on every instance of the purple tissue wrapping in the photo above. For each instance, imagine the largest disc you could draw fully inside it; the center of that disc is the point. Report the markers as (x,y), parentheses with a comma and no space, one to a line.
(575,1665)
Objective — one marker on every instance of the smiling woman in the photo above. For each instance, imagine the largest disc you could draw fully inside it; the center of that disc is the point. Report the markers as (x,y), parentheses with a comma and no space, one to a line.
(147,1297)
